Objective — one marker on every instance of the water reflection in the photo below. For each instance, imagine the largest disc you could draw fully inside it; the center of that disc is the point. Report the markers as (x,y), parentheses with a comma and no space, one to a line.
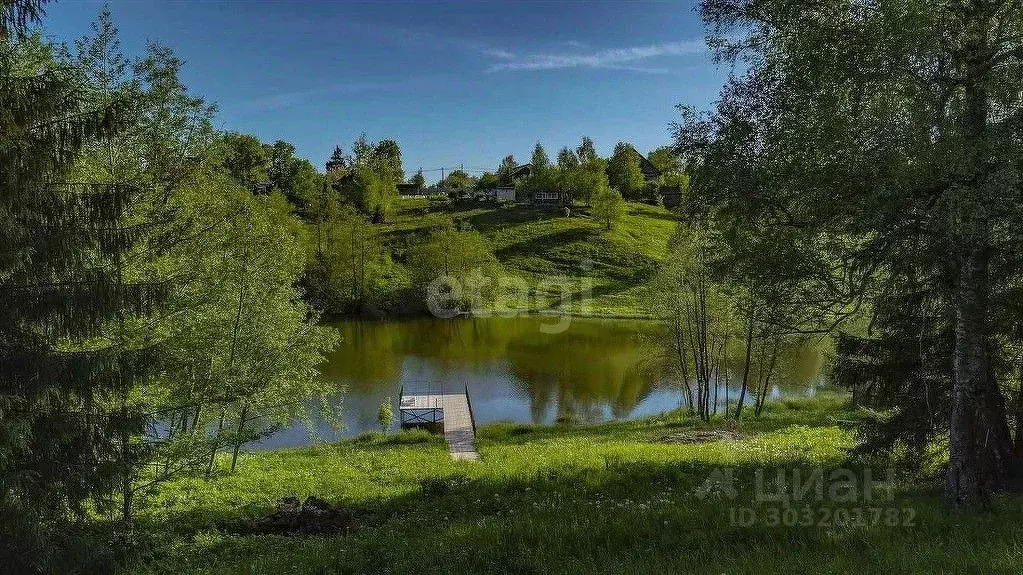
(594,371)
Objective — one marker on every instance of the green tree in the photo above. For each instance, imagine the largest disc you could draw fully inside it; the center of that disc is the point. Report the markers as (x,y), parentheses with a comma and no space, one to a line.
(339,161)
(245,159)
(488,181)
(567,159)
(666,159)
(624,173)
(540,161)
(369,179)
(385,416)
(504,171)
(387,159)
(457,180)
(543,177)
(587,152)
(464,256)
(608,207)
(349,263)
(62,250)
(904,206)
(418,180)
(294,177)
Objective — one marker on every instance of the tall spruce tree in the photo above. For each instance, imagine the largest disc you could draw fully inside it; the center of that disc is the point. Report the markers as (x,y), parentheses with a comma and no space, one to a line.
(61,249)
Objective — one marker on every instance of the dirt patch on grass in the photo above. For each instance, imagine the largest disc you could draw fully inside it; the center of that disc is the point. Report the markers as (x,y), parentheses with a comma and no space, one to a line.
(313,516)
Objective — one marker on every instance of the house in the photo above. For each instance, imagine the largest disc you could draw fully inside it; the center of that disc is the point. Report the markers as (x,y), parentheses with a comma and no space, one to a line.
(410,190)
(650,171)
(522,171)
(502,194)
(547,200)
(671,196)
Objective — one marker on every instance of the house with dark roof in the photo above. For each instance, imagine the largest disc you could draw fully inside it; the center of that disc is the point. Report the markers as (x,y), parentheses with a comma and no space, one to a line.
(410,189)
(523,171)
(650,171)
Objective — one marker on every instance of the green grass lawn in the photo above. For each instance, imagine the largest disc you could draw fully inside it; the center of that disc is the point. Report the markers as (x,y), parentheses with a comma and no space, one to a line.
(596,499)
(546,246)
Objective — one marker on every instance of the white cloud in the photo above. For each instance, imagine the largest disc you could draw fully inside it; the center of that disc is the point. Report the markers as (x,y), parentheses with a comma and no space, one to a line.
(617,58)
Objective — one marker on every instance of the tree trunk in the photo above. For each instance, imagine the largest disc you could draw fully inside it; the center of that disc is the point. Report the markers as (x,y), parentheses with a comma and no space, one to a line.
(216,444)
(1019,419)
(238,439)
(980,449)
(762,397)
(745,370)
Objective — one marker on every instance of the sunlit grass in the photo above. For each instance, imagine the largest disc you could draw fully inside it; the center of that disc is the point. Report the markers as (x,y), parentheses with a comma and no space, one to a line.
(592,499)
(553,252)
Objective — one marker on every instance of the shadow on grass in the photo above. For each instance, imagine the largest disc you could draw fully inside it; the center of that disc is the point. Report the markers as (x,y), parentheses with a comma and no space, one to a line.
(627,516)
(653,214)
(632,512)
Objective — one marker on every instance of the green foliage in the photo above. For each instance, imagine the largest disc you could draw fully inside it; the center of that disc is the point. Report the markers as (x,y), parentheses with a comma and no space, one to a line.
(487,181)
(348,264)
(368,179)
(385,416)
(608,207)
(504,171)
(418,180)
(245,159)
(368,192)
(667,160)
(457,180)
(386,160)
(339,161)
(624,173)
(586,152)
(567,159)
(543,177)
(902,211)
(296,178)
(584,181)
(464,256)
(68,423)
(170,326)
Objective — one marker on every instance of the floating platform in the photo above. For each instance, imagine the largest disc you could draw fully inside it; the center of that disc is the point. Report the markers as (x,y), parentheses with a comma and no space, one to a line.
(447,413)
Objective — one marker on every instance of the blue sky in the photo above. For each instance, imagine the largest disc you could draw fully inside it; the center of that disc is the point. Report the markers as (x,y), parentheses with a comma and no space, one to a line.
(455,84)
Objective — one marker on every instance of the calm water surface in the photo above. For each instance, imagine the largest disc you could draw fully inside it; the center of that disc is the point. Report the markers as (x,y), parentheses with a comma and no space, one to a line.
(596,370)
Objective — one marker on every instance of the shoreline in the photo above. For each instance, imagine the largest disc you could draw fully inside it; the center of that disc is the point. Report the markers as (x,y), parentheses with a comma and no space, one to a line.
(485,314)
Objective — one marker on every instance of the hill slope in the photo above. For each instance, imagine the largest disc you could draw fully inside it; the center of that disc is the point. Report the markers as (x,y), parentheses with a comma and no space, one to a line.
(553,252)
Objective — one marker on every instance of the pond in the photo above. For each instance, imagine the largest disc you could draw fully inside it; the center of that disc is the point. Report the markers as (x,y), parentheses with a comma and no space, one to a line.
(517,370)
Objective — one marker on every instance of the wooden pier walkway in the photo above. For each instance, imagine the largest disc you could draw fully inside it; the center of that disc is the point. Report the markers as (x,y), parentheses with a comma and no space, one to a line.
(450,411)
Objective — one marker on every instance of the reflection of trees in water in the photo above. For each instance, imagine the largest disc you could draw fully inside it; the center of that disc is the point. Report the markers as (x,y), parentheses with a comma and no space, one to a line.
(799,366)
(591,365)
(594,367)
(368,356)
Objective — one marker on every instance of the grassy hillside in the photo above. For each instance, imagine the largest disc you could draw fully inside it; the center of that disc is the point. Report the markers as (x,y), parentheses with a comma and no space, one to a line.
(614,498)
(545,246)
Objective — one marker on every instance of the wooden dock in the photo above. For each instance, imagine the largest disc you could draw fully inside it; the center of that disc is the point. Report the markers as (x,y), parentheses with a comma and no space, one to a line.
(450,412)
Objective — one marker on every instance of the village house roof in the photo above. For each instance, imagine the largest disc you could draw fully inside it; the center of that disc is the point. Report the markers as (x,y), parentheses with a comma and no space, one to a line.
(522,171)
